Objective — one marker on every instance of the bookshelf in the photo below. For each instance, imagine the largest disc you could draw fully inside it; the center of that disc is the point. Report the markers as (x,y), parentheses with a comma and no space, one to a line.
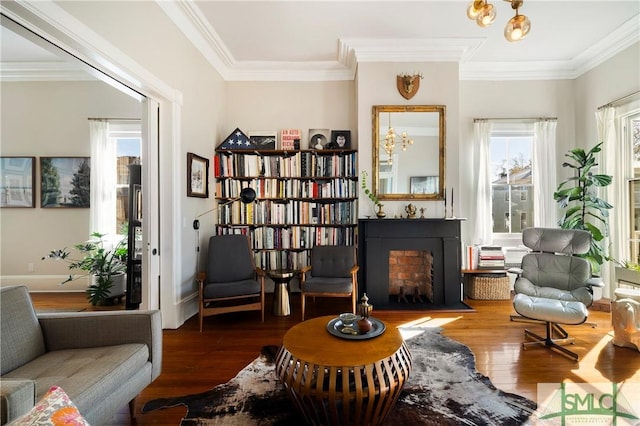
(304,198)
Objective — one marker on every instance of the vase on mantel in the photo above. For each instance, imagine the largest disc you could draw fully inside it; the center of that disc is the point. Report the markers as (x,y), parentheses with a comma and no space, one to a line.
(380,213)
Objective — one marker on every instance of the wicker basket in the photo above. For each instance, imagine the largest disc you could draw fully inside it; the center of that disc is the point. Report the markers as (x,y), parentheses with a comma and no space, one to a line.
(488,287)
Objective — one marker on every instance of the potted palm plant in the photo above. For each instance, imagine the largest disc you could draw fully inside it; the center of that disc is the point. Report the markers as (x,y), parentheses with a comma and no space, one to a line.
(106,267)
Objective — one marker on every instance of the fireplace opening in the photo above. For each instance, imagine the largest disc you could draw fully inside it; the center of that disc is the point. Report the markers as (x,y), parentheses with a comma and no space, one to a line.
(410,276)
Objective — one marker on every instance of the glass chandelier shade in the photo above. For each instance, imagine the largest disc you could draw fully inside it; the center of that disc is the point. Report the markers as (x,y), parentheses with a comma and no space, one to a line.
(486,15)
(390,141)
(517,28)
(474,8)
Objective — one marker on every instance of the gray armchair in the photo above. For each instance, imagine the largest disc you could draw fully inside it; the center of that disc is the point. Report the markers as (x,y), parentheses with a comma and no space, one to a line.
(554,286)
(332,273)
(231,283)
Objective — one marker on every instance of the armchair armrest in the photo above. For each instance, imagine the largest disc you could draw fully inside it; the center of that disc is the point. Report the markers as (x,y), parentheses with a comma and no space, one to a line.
(305,269)
(354,269)
(95,329)
(517,271)
(595,282)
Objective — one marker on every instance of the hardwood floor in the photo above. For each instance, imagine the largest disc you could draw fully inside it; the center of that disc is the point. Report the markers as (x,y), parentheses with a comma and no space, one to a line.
(194,362)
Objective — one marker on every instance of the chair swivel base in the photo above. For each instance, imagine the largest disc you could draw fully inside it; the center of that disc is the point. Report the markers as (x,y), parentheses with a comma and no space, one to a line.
(554,343)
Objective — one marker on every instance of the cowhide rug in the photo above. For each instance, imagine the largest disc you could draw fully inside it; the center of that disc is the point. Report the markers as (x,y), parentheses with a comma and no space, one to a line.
(443,389)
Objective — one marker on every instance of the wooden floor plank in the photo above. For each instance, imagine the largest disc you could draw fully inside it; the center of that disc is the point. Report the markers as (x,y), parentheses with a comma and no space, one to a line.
(195,362)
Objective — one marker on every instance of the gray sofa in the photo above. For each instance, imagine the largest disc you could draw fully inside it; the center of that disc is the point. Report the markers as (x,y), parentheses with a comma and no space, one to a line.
(102,360)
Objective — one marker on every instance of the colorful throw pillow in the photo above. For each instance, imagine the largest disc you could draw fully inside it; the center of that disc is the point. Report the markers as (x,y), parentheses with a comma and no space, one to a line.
(54,409)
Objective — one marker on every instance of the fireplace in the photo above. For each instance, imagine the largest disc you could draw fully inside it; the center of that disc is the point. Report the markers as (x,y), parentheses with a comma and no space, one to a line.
(410,263)
(410,276)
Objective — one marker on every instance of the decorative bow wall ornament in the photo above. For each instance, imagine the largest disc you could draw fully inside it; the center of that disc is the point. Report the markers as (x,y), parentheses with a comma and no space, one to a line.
(408,85)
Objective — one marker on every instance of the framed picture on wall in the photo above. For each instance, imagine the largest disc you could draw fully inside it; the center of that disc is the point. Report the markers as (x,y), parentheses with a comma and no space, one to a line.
(197,176)
(17,176)
(318,138)
(340,139)
(264,139)
(65,182)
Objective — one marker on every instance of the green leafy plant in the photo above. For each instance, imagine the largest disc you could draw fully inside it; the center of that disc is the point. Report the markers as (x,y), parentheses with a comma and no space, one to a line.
(97,261)
(371,195)
(584,209)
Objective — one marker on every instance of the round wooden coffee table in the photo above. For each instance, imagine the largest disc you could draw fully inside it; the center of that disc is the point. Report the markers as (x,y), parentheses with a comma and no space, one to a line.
(335,381)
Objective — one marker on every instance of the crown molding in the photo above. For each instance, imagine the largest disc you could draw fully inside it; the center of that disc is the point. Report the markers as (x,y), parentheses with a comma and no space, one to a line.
(614,43)
(413,50)
(42,71)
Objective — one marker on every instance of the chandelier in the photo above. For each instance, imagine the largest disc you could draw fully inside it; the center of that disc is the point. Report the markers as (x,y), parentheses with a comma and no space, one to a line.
(484,14)
(390,141)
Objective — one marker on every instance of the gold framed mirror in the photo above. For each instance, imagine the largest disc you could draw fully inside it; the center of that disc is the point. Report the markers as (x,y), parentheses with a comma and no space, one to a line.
(408,152)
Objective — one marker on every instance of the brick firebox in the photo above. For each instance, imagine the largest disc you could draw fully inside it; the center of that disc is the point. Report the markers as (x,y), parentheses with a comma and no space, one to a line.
(410,273)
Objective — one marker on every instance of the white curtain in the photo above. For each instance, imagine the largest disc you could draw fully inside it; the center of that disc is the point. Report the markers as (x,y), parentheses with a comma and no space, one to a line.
(544,173)
(103,179)
(614,161)
(482,167)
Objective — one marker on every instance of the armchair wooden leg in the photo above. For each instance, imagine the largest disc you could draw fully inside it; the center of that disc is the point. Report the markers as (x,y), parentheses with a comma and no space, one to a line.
(132,410)
(302,303)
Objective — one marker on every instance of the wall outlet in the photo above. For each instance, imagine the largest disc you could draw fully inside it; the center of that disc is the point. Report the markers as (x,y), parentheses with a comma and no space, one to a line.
(30,267)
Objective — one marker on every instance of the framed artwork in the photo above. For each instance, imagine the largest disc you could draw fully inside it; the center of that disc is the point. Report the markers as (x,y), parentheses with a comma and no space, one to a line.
(197,176)
(318,138)
(264,139)
(423,184)
(17,176)
(340,139)
(65,182)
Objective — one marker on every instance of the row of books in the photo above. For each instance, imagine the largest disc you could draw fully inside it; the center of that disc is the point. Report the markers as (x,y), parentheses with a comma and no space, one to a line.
(300,164)
(268,212)
(491,257)
(293,237)
(494,257)
(291,188)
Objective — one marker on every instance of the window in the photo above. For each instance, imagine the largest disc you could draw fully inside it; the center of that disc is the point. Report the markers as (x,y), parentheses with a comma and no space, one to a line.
(127,138)
(633,141)
(511,182)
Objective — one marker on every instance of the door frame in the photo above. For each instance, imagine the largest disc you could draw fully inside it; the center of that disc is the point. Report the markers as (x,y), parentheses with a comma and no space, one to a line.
(161,106)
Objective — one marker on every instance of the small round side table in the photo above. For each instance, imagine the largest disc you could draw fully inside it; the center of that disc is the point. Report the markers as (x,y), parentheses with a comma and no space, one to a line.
(335,381)
(281,277)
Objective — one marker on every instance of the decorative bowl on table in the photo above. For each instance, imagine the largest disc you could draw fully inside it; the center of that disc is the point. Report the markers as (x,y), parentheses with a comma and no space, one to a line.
(348,319)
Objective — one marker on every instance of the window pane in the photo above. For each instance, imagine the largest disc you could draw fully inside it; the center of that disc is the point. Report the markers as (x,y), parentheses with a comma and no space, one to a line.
(521,206)
(512,196)
(500,208)
(128,152)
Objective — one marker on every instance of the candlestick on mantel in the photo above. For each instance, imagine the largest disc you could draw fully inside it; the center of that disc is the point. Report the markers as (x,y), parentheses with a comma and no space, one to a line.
(452,213)
(445,202)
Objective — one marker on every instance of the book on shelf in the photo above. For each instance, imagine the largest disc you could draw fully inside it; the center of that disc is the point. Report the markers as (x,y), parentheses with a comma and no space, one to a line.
(290,139)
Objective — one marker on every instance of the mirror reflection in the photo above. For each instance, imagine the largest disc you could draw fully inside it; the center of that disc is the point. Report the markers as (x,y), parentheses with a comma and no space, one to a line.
(408,152)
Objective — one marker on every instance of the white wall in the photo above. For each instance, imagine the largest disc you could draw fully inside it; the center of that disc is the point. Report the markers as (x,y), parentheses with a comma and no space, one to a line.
(613,79)
(49,119)
(376,85)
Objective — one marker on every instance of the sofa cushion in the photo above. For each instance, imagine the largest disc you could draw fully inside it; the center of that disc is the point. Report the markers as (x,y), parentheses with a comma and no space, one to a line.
(22,339)
(55,408)
(86,375)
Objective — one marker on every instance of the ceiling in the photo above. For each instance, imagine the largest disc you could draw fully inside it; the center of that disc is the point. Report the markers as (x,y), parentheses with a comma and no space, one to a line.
(308,40)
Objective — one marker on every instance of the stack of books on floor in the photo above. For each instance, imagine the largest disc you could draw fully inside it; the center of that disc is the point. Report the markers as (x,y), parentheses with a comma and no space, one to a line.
(491,257)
